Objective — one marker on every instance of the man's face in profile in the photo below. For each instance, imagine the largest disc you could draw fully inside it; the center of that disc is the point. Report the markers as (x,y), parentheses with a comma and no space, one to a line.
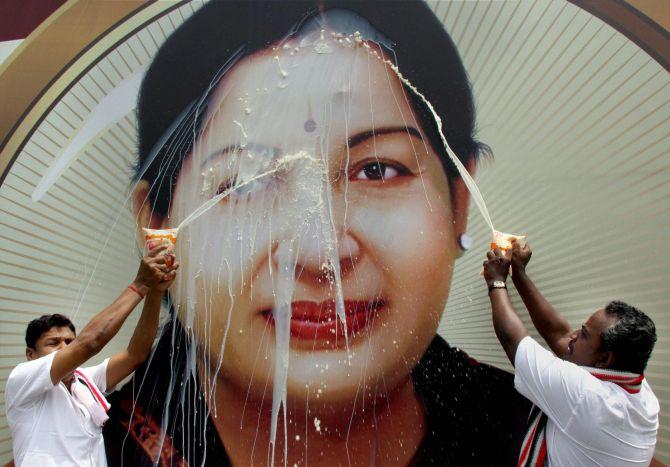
(50,341)
(584,347)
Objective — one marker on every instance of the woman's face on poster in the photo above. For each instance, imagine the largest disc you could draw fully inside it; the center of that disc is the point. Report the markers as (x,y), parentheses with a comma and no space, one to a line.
(340,196)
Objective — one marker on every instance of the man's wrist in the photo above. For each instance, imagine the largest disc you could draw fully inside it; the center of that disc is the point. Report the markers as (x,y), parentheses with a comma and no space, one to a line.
(496,284)
(140,288)
(519,273)
(155,293)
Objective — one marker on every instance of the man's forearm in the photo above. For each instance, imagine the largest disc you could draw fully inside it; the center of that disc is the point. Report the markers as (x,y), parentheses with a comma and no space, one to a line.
(106,324)
(546,319)
(145,330)
(508,326)
(125,362)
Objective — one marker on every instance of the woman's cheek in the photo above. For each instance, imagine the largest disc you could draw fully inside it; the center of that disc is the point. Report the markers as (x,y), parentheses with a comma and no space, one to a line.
(413,246)
(405,234)
(227,246)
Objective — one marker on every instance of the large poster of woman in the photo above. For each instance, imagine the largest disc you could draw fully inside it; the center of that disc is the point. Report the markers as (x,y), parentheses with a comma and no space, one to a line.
(305,317)
(314,159)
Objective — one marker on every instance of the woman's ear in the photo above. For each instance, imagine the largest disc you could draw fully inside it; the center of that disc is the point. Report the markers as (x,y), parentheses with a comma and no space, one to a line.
(143,210)
(460,199)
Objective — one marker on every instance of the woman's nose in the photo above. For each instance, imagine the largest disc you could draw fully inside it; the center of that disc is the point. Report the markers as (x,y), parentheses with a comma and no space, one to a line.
(319,255)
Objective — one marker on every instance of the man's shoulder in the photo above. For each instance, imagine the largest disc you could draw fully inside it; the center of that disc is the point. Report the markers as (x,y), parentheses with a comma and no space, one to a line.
(16,376)
(27,369)
(647,393)
(18,371)
(620,401)
(27,379)
(648,403)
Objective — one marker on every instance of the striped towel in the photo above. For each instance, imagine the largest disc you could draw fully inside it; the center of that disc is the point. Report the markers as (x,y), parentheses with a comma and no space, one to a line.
(88,394)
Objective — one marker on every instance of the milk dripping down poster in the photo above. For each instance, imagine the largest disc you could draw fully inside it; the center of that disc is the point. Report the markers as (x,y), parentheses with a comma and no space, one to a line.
(322,162)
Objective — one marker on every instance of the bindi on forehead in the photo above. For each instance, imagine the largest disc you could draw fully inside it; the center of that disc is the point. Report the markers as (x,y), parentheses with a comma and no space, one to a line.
(310,124)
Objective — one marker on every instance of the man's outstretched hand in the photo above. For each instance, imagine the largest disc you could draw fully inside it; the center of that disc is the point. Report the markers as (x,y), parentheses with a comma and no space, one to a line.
(520,257)
(157,269)
(168,278)
(496,266)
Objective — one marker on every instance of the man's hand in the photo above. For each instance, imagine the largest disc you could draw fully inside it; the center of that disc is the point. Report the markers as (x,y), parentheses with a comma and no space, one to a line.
(520,257)
(496,266)
(169,278)
(154,269)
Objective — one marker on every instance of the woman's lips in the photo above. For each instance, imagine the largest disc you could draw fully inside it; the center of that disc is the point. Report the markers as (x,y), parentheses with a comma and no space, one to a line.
(319,321)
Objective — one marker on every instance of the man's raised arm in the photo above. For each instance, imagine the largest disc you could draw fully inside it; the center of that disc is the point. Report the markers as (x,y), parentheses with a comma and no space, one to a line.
(104,326)
(509,328)
(124,363)
(553,328)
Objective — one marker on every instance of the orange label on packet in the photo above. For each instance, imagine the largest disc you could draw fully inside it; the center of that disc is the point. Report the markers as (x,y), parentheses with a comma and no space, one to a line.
(503,241)
(158,235)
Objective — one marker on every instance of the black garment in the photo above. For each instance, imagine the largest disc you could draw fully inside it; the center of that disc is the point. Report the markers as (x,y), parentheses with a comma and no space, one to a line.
(475,417)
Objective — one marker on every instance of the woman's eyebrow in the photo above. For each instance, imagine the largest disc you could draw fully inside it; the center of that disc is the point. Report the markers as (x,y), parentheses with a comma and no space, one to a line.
(218,153)
(237,147)
(365,135)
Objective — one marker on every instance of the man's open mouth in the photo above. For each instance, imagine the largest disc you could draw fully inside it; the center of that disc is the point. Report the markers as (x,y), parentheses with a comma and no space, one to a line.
(319,321)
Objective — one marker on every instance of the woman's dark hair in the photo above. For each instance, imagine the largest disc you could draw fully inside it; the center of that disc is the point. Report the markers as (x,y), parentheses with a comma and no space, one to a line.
(40,325)
(631,339)
(185,67)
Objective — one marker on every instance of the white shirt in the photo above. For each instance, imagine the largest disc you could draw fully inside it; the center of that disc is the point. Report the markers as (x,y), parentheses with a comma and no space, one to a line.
(590,422)
(49,427)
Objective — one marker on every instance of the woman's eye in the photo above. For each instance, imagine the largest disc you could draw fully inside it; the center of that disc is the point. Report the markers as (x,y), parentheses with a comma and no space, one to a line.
(377,171)
(224,186)
(244,188)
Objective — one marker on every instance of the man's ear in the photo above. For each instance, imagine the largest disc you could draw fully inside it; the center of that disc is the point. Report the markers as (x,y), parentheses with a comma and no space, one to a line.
(143,210)
(460,199)
(606,360)
(30,353)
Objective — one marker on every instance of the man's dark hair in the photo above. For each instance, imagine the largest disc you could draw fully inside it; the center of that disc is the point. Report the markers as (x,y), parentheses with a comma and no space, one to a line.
(631,339)
(40,325)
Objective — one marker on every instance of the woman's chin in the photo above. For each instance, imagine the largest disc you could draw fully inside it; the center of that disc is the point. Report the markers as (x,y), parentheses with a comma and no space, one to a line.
(324,373)
(339,378)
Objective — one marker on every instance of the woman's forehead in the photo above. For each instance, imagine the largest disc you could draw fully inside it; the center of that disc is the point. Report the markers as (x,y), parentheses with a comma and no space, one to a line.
(291,95)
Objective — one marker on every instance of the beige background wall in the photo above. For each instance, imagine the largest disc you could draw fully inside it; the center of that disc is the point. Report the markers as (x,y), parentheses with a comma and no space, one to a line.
(576,115)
